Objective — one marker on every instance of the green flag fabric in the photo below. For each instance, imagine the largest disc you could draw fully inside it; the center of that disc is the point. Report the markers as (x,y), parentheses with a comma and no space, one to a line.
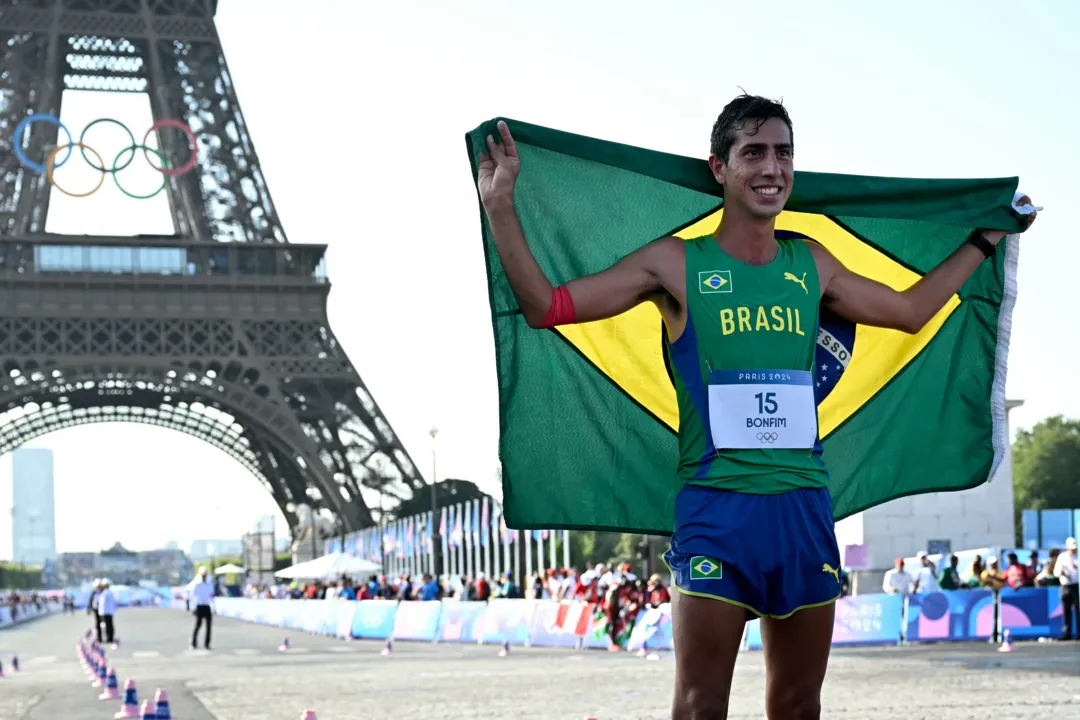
(588,416)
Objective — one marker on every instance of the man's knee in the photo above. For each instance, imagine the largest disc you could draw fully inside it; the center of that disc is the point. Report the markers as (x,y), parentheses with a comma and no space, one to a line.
(791,703)
(701,703)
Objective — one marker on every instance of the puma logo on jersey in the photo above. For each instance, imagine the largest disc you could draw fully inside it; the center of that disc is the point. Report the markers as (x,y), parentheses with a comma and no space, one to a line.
(835,572)
(801,281)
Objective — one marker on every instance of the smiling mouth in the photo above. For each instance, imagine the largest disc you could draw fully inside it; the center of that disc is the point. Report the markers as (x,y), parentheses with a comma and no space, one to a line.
(767,190)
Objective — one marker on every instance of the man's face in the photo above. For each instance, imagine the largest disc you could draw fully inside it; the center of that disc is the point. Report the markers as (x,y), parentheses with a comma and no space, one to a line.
(759,171)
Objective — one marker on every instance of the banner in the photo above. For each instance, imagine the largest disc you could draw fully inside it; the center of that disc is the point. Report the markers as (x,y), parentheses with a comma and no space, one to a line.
(506,620)
(459,620)
(418,620)
(374,619)
(1025,613)
(859,620)
(946,616)
(950,615)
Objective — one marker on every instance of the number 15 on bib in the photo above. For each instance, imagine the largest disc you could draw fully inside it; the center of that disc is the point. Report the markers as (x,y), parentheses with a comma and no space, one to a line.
(772,409)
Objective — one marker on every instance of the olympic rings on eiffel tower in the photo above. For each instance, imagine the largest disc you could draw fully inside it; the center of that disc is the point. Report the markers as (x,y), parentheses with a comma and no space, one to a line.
(51,163)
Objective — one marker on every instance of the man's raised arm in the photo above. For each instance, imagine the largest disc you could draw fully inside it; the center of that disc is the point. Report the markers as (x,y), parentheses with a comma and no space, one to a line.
(605,294)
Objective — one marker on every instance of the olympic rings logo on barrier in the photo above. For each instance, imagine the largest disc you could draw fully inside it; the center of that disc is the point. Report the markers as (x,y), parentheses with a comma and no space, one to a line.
(768,437)
(51,164)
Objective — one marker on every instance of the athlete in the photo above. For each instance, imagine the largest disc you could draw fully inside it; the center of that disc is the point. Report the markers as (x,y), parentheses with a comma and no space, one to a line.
(754,533)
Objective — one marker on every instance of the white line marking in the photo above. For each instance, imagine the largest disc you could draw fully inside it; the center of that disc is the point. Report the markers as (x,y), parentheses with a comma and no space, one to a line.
(342,649)
(246,651)
(44,660)
(145,654)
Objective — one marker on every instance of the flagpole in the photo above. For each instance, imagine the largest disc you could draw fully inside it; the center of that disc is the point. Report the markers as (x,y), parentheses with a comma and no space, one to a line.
(434,503)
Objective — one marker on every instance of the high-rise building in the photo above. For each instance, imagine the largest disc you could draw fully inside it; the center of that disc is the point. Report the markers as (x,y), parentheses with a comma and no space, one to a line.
(33,517)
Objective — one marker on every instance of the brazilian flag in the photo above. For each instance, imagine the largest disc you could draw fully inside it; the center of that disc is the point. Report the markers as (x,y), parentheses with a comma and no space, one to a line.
(588,415)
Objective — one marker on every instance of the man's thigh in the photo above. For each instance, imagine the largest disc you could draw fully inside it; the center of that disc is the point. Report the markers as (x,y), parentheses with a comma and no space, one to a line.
(706,637)
(796,650)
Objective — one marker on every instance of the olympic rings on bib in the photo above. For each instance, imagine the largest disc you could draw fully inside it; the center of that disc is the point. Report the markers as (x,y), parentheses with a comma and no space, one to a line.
(767,437)
(51,163)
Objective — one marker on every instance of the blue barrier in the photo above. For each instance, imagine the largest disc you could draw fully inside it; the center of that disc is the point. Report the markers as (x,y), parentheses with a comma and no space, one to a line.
(951,615)
(946,616)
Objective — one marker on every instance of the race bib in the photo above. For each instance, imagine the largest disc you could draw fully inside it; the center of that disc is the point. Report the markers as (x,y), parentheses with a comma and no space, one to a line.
(762,409)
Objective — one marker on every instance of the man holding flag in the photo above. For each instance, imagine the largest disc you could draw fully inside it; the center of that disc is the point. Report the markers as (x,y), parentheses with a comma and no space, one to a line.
(754,530)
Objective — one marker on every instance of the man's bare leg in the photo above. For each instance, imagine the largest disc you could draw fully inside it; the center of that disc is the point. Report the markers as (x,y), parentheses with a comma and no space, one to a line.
(796,658)
(706,635)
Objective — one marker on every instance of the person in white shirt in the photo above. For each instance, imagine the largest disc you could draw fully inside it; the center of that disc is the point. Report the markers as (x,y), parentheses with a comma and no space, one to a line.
(926,577)
(1065,569)
(92,608)
(106,606)
(897,579)
(201,593)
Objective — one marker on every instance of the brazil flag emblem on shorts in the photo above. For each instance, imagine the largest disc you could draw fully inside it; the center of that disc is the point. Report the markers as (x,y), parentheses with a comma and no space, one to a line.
(703,568)
(588,414)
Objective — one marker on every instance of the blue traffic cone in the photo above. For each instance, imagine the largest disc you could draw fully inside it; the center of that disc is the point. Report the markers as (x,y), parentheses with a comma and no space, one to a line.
(15,663)
(112,690)
(161,700)
(130,708)
(100,680)
(148,711)
(389,647)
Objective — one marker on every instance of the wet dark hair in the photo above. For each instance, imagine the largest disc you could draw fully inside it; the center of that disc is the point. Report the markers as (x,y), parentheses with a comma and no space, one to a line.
(737,113)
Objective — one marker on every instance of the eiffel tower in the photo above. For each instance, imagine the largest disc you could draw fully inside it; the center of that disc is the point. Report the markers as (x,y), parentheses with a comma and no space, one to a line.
(219,330)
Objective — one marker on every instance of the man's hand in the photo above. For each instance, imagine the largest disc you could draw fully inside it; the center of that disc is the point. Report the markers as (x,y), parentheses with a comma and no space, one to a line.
(994,236)
(868,302)
(498,171)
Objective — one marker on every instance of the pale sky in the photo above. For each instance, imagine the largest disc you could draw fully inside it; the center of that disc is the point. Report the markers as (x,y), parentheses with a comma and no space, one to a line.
(358,112)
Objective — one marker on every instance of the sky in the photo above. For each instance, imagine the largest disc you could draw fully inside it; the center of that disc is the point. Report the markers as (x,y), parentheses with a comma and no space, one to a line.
(358,113)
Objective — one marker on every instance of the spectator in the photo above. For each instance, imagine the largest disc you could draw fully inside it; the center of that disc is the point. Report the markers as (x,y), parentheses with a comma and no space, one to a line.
(107,609)
(1033,564)
(482,587)
(430,590)
(897,579)
(975,578)
(656,593)
(508,589)
(950,576)
(1067,573)
(991,577)
(1046,577)
(926,576)
(1017,575)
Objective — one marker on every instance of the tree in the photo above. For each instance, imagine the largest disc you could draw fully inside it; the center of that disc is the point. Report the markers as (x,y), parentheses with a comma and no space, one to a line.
(1046,466)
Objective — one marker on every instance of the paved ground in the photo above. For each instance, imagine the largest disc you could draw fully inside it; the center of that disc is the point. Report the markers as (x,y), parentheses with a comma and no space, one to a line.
(246,678)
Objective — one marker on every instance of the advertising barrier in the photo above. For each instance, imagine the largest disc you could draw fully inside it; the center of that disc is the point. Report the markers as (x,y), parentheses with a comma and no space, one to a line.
(946,616)
(26,612)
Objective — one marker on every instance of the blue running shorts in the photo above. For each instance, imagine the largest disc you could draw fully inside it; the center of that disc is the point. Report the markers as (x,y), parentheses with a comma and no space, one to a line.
(771,554)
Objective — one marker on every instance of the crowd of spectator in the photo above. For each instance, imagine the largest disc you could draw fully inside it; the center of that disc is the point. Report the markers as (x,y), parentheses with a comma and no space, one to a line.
(16,602)
(1059,570)
(617,594)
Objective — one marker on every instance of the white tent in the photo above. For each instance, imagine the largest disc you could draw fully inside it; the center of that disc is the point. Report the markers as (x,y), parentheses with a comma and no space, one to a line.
(330,566)
(229,569)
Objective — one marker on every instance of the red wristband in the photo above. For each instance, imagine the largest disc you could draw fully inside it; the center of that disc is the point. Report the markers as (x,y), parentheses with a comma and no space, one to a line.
(562,310)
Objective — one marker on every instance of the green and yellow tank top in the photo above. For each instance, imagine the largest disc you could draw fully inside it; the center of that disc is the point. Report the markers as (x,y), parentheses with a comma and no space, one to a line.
(743,371)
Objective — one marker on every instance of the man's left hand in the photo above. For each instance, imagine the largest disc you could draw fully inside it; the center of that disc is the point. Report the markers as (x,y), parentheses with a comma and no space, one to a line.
(994,236)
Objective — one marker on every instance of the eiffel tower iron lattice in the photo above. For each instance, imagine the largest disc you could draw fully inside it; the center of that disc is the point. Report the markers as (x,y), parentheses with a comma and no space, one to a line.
(219,330)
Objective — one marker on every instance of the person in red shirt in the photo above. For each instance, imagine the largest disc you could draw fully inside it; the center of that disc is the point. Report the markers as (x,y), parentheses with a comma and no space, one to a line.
(1017,575)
